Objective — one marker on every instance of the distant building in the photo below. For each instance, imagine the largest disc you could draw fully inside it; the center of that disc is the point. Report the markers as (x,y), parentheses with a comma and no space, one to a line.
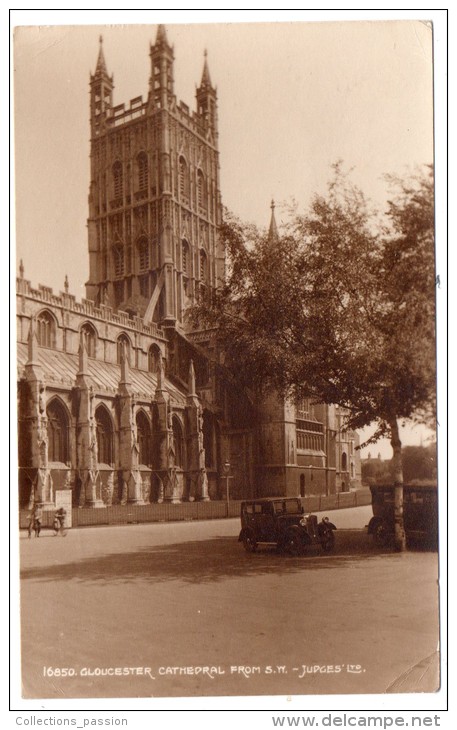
(119,399)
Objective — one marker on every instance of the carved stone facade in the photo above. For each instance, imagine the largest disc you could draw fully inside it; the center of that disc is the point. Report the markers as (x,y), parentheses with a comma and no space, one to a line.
(118,400)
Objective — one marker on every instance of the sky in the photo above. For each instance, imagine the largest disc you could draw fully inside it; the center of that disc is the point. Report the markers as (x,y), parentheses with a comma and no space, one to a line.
(293,97)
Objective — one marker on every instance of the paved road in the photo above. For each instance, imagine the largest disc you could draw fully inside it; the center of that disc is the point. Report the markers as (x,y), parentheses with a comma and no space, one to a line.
(181,610)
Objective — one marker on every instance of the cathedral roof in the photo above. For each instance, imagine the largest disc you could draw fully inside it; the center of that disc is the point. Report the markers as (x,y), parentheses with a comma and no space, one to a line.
(60,369)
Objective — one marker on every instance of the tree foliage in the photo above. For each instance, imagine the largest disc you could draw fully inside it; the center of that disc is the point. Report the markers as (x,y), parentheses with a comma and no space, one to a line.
(419,467)
(340,307)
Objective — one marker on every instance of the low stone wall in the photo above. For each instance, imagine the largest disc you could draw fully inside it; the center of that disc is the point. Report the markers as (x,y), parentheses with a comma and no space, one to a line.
(167,512)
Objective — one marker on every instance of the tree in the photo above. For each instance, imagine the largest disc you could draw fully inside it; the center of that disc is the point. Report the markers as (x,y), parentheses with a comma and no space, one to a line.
(340,308)
(419,463)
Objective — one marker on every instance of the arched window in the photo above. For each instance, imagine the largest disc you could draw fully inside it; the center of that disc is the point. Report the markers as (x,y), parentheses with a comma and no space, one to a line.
(178,443)
(344,462)
(144,438)
(123,345)
(201,190)
(104,435)
(143,254)
(57,432)
(143,173)
(185,257)
(154,357)
(203,266)
(118,180)
(184,183)
(90,339)
(305,410)
(118,261)
(46,329)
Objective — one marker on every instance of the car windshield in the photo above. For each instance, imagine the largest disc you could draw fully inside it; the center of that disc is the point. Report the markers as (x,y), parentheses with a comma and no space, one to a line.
(293,506)
(289,506)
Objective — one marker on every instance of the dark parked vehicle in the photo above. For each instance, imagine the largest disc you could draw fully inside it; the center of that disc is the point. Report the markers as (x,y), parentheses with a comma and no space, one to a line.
(281,521)
(420,513)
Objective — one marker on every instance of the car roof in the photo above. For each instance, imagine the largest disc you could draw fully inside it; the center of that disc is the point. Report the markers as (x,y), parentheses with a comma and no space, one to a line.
(270,499)
(409,487)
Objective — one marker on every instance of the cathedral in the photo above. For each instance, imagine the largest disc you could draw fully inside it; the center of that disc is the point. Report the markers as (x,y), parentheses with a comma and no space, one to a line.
(120,400)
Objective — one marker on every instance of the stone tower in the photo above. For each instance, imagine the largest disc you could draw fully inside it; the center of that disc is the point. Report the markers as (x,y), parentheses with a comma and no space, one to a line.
(154,199)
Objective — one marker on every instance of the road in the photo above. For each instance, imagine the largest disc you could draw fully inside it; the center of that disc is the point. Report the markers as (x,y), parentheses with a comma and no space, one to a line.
(181,610)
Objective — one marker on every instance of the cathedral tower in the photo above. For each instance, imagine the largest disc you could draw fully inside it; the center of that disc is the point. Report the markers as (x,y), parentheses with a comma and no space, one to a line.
(154,200)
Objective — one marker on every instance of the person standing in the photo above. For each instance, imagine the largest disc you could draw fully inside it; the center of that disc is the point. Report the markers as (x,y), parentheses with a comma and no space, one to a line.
(37,519)
(59,520)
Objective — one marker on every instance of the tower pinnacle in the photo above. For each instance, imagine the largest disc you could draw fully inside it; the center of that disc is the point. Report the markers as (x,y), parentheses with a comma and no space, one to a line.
(101,69)
(161,37)
(206,80)
(161,78)
(273,234)
(101,93)
(207,100)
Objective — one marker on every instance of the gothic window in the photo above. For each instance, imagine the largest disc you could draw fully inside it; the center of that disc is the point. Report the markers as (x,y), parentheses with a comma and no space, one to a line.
(154,357)
(123,345)
(104,435)
(303,409)
(118,261)
(143,254)
(184,182)
(344,462)
(143,174)
(203,266)
(57,432)
(144,438)
(179,443)
(118,180)
(90,339)
(46,329)
(201,190)
(185,258)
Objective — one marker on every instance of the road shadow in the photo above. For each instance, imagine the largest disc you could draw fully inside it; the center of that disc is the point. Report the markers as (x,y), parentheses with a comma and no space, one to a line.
(209,561)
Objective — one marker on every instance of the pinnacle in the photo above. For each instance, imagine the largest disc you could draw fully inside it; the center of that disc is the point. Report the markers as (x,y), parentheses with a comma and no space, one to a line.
(273,234)
(161,37)
(206,80)
(101,64)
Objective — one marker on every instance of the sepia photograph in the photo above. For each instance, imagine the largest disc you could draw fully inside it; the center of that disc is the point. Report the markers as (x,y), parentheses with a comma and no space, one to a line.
(226,295)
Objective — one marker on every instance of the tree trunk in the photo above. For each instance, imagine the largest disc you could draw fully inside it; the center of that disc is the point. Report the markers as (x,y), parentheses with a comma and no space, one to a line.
(400,538)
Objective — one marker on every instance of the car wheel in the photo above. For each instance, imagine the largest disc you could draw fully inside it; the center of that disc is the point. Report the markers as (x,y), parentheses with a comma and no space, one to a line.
(249,542)
(294,542)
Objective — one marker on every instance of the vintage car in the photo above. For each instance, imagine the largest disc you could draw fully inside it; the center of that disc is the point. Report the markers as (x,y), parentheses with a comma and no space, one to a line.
(281,521)
(420,513)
